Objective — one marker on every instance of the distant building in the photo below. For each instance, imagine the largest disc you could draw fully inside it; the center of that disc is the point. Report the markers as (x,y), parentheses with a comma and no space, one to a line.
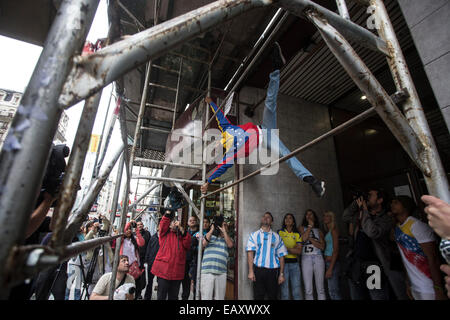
(9,101)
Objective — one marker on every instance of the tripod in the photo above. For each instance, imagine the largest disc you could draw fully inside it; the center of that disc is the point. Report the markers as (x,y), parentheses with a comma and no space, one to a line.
(87,279)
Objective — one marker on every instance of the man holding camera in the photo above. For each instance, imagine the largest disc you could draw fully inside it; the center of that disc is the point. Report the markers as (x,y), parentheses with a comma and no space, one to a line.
(101,290)
(215,258)
(373,246)
(170,261)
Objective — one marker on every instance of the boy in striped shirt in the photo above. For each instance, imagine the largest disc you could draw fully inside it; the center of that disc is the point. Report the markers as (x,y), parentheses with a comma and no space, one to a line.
(265,253)
(214,263)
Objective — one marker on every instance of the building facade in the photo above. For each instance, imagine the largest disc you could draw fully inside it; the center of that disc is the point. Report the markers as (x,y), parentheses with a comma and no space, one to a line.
(9,102)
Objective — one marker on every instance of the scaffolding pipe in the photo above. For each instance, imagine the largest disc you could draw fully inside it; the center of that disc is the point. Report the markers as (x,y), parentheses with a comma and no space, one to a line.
(74,170)
(175,107)
(116,192)
(349,29)
(359,118)
(23,160)
(249,67)
(111,124)
(76,248)
(137,130)
(188,199)
(256,46)
(80,214)
(167,163)
(165,179)
(141,26)
(90,74)
(375,93)
(123,219)
(436,180)
(97,153)
(342,8)
(145,194)
(202,200)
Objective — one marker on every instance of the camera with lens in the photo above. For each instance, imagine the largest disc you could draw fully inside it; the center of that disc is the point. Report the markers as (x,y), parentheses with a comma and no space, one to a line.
(134,224)
(217,222)
(54,173)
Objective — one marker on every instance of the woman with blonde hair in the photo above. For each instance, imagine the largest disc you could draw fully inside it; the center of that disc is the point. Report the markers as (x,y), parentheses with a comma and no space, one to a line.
(331,255)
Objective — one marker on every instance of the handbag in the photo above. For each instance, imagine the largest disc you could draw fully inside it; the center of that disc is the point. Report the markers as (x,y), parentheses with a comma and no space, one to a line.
(135,271)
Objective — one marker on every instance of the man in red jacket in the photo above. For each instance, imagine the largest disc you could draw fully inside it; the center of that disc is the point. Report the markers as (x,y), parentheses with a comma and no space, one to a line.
(170,261)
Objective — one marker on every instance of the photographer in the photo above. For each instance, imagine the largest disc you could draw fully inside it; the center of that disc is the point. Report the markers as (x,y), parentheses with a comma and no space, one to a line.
(373,246)
(215,258)
(130,247)
(170,261)
(101,257)
(101,289)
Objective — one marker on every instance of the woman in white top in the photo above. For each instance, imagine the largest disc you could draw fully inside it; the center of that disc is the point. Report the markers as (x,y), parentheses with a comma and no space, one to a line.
(313,265)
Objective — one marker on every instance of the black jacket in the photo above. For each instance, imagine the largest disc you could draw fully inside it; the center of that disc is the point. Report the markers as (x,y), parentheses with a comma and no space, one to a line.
(152,250)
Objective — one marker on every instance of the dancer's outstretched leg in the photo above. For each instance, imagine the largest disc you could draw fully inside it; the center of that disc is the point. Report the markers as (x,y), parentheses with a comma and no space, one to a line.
(272,141)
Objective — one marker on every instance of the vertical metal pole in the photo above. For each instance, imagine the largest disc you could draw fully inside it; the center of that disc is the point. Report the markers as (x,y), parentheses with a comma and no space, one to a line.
(123,219)
(102,135)
(116,193)
(27,146)
(175,107)
(137,130)
(74,170)
(436,181)
(203,200)
(343,10)
(191,196)
(108,138)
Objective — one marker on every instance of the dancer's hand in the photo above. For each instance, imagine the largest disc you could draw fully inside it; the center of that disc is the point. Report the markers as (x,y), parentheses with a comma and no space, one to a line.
(208,100)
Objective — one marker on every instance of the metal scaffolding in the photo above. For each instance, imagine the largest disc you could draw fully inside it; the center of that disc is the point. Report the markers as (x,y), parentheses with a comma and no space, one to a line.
(63,77)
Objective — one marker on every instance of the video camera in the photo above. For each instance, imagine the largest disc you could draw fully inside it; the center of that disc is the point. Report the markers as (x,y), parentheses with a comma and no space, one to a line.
(217,222)
(54,173)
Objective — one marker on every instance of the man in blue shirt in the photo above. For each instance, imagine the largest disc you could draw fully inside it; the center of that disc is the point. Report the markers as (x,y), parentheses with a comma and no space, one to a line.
(265,254)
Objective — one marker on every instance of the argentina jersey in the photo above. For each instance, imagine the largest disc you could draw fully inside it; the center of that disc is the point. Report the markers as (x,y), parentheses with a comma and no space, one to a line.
(268,247)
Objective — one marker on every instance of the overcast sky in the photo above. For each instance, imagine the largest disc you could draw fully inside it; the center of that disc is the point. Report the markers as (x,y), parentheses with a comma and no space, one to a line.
(18,60)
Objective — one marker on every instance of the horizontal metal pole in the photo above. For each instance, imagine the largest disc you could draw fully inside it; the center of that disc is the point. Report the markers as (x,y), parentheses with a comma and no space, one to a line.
(349,29)
(361,117)
(76,248)
(145,194)
(151,105)
(167,163)
(164,68)
(157,85)
(156,130)
(165,179)
(91,73)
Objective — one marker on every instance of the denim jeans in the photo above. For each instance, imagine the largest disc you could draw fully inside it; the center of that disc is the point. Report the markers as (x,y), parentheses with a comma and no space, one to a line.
(313,267)
(292,276)
(333,282)
(270,122)
(73,274)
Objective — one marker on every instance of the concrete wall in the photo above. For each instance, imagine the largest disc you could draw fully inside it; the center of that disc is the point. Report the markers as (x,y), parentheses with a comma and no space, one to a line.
(429,24)
(299,122)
